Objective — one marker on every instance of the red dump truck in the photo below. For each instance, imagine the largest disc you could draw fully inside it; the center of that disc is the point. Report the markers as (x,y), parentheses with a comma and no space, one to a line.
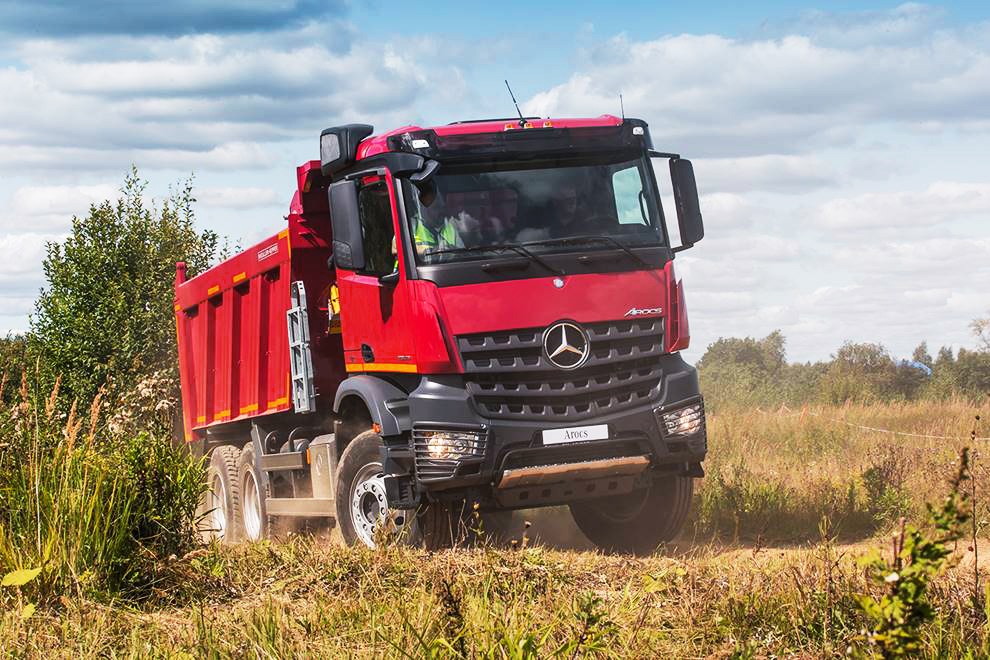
(479,316)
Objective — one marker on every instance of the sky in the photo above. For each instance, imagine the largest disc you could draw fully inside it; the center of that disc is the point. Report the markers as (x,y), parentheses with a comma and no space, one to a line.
(840,148)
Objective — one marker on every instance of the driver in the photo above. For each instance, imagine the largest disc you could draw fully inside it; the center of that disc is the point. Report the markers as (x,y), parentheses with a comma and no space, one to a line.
(570,220)
(433,228)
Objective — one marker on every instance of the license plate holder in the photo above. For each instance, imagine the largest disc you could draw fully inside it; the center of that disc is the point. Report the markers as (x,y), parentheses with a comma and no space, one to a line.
(575,434)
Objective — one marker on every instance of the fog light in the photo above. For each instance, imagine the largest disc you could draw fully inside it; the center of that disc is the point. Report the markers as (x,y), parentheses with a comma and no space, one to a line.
(452,444)
(684,421)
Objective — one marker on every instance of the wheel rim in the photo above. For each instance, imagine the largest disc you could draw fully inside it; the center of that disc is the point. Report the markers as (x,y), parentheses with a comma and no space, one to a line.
(217,503)
(369,504)
(252,507)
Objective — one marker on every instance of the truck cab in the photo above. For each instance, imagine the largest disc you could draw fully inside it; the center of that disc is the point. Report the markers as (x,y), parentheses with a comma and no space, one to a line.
(498,327)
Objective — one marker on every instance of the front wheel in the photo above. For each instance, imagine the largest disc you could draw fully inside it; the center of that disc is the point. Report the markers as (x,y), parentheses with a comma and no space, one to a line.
(637,522)
(362,506)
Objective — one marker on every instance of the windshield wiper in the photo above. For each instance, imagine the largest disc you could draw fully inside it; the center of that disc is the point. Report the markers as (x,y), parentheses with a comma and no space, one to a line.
(591,237)
(515,247)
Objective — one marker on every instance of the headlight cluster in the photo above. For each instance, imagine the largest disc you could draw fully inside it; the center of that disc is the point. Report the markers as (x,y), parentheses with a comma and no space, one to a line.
(685,421)
(449,444)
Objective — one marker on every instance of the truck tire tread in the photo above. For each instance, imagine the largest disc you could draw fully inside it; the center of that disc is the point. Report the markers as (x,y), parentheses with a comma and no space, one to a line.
(223,461)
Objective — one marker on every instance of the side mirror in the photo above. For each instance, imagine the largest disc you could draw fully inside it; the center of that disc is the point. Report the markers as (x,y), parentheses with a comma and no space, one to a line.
(348,242)
(423,180)
(689,220)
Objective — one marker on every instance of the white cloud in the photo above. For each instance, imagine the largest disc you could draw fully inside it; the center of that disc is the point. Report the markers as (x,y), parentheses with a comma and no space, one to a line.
(715,96)
(34,208)
(236,198)
(773,173)
(939,203)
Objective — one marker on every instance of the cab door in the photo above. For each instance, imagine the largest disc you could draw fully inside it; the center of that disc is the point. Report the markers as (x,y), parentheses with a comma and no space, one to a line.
(375,315)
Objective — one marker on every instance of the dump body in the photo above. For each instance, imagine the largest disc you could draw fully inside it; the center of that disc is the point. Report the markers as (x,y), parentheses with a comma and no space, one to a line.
(231,319)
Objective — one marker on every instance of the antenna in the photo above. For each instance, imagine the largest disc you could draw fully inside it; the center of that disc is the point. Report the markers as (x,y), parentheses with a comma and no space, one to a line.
(522,120)
(622,108)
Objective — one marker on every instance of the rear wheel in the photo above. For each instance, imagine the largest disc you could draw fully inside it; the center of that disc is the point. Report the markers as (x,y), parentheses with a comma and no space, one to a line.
(637,522)
(256,523)
(219,512)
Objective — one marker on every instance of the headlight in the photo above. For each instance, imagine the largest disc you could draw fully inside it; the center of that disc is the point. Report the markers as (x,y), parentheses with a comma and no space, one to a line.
(450,444)
(439,452)
(684,421)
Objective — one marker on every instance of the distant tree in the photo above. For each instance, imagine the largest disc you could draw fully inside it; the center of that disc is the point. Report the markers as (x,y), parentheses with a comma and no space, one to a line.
(744,371)
(981,328)
(860,372)
(105,317)
(922,356)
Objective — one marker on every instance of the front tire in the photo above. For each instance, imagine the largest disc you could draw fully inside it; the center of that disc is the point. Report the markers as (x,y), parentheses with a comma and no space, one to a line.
(362,505)
(637,522)
(219,513)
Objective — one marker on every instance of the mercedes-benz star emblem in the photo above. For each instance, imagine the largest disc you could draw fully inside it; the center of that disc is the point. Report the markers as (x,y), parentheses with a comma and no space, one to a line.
(566,345)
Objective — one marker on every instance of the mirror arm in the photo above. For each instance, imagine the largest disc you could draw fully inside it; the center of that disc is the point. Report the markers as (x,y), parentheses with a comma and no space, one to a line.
(681,248)
(391,278)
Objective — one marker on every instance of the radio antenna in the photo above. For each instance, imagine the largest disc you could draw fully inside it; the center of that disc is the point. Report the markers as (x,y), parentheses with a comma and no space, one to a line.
(622,108)
(522,120)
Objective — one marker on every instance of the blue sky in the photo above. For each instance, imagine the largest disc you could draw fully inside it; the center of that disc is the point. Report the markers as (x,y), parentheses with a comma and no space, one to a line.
(840,147)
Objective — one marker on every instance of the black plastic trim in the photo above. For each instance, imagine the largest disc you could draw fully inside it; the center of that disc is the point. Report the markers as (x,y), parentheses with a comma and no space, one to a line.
(386,402)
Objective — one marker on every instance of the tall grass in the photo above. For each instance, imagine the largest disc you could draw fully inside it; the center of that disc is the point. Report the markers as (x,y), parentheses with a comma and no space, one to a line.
(773,475)
(94,510)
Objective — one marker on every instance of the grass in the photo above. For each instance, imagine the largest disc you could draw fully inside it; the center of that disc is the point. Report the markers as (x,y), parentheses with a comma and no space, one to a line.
(755,573)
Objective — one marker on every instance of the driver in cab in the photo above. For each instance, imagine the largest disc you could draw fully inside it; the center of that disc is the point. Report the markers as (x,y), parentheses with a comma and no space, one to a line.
(436,229)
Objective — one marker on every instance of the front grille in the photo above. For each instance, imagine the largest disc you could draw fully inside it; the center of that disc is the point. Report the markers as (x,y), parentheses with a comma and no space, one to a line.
(509,377)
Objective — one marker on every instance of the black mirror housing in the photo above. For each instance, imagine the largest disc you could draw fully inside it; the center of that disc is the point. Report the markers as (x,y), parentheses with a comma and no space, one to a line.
(348,242)
(689,220)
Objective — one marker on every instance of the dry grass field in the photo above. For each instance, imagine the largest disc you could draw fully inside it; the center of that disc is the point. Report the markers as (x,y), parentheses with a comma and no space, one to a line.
(756,573)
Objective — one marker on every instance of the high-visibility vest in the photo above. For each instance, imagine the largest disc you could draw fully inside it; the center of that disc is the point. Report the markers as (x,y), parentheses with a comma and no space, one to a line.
(440,240)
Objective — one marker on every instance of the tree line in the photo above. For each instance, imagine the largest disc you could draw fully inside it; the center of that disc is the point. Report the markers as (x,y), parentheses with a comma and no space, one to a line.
(755,372)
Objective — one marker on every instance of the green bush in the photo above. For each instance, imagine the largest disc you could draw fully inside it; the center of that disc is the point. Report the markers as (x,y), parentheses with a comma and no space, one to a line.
(105,319)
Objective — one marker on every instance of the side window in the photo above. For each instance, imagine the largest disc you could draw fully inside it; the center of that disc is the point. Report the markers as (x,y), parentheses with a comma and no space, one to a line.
(377,229)
(627,184)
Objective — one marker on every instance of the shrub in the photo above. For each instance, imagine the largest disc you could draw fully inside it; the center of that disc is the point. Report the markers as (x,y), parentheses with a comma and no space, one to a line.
(105,318)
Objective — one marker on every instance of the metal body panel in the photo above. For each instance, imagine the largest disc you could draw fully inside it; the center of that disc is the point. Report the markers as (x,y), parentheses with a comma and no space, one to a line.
(231,320)
(548,474)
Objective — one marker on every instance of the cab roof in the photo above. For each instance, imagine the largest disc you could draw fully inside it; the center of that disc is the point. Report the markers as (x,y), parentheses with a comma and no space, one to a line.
(377,144)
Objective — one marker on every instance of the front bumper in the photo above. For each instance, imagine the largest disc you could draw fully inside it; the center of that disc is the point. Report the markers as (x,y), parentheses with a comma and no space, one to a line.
(443,403)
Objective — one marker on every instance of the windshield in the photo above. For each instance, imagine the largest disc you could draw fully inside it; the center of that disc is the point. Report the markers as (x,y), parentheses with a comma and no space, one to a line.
(479,211)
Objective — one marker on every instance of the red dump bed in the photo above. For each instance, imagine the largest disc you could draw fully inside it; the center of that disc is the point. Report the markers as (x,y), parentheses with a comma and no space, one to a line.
(231,319)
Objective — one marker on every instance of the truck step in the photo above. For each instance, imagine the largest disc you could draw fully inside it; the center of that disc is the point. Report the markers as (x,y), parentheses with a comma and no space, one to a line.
(295,460)
(306,507)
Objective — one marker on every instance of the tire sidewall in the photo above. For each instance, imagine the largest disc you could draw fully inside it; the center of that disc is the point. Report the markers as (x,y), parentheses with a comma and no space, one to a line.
(222,467)
(365,448)
(660,519)
(247,467)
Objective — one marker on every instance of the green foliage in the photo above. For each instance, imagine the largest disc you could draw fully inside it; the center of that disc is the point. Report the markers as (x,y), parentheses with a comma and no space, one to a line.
(105,318)
(755,373)
(96,512)
(898,615)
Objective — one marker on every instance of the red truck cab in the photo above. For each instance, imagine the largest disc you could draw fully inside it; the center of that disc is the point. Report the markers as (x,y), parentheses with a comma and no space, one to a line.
(482,315)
